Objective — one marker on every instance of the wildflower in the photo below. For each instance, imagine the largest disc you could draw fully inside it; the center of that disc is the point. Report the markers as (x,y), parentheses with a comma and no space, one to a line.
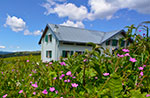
(121,56)
(50,63)
(63,63)
(2,72)
(31,82)
(5,96)
(62,75)
(20,91)
(84,60)
(27,60)
(140,30)
(46,64)
(12,69)
(60,78)
(65,80)
(105,74)
(54,78)
(132,59)
(144,65)
(127,54)
(33,71)
(125,50)
(140,68)
(34,93)
(68,80)
(52,89)
(56,91)
(141,73)
(96,77)
(30,74)
(122,83)
(74,77)
(61,97)
(45,91)
(74,84)
(143,34)
(35,85)
(61,71)
(68,73)
(147,95)
(118,55)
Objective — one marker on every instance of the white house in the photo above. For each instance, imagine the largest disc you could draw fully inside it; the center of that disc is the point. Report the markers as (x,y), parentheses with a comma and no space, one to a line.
(58,40)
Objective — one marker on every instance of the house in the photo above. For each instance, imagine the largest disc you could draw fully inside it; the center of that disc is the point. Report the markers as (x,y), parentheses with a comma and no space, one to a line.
(58,40)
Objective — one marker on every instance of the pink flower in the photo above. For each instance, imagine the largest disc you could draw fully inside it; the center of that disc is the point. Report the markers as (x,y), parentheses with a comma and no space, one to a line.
(105,74)
(122,83)
(61,71)
(144,65)
(74,85)
(60,78)
(45,91)
(27,60)
(141,73)
(140,68)
(20,91)
(52,89)
(143,34)
(33,71)
(127,54)
(74,77)
(147,95)
(63,63)
(68,73)
(61,97)
(140,30)
(84,60)
(54,78)
(46,64)
(13,69)
(31,82)
(50,63)
(96,77)
(68,80)
(121,56)
(62,75)
(2,72)
(56,91)
(30,74)
(132,59)
(125,50)
(34,93)
(5,96)
(35,85)
(65,80)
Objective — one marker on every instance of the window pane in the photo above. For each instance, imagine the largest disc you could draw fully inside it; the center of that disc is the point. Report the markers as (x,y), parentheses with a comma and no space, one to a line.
(122,43)
(108,42)
(46,38)
(128,43)
(71,52)
(50,38)
(114,42)
(46,53)
(64,54)
(50,54)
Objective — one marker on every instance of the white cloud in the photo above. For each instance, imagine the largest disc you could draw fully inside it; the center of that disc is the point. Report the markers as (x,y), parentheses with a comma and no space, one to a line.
(37,32)
(2,47)
(99,9)
(17,47)
(73,24)
(16,24)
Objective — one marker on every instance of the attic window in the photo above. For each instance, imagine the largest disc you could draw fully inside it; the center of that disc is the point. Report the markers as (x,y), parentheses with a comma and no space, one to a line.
(114,42)
(107,42)
(50,38)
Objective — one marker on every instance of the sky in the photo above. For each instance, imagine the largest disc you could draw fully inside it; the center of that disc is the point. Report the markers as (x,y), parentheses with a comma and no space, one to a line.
(21,21)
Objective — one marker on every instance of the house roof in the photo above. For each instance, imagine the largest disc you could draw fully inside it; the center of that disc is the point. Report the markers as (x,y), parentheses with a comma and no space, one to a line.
(78,35)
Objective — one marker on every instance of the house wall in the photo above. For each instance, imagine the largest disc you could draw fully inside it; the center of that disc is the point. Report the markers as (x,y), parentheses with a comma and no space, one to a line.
(50,46)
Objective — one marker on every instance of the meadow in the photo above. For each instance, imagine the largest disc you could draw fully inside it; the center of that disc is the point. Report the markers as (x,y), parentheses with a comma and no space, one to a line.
(124,74)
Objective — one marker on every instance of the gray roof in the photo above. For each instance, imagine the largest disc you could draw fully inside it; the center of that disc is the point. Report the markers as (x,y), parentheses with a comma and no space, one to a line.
(80,35)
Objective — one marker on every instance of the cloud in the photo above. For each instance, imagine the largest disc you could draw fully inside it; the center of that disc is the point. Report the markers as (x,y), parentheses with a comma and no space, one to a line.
(73,24)
(37,32)
(98,9)
(15,23)
(2,47)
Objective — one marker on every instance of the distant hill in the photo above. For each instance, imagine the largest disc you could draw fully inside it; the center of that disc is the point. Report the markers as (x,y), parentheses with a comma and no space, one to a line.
(22,53)
(4,52)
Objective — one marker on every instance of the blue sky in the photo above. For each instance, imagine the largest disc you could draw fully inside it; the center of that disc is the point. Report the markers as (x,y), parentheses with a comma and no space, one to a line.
(21,21)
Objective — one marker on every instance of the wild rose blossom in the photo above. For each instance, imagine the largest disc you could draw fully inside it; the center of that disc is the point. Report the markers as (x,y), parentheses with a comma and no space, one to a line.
(144,65)
(68,73)
(27,60)
(52,89)
(5,96)
(65,80)
(125,50)
(84,60)
(30,74)
(132,59)
(127,54)
(147,95)
(96,77)
(20,91)
(105,74)
(140,68)
(34,93)
(54,78)
(63,63)
(74,85)
(50,63)
(35,85)
(56,91)
(68,80)
(74,77)
(141,73)
(45,91)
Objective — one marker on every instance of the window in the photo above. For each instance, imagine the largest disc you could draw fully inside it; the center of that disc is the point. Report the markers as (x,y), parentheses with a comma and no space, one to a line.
(107,42)
(46,38)
(49,54)
(122,43)
(114,42)
(50,38)
(79,52)
(128,43)
(66,53)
